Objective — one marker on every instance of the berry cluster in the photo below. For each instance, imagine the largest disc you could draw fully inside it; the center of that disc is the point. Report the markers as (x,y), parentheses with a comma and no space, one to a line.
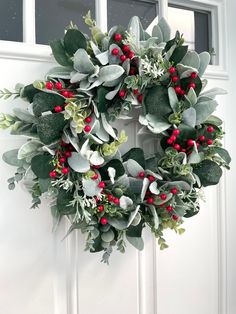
(176,81)
(105,204)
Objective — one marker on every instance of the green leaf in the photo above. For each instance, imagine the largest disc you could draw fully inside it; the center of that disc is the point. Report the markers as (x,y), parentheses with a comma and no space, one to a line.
(134,168)
(191,59)
(90,187)
(189,117)
(44,184)
(103,103)
(10,158)
(136,242)
(110,73)
(214,121)
(204,61)
(178,54)
(118,224)
(63,199)
(157,124)
(191,97)
(157,101)
(136,30)
(50,127)
(223,153)
(29,149)
(43,102)
(41,166)
(173,99)
(24,115)
(156,32)
(204,110)
(60,72)
(108,236)
(165,29)
(78,163)
(83,63)
(136,154)
(74,40)
(114,163)
(59,52)
(208,172)
(28,92)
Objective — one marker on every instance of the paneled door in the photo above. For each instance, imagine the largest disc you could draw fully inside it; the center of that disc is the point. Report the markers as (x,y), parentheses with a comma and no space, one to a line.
(40,273)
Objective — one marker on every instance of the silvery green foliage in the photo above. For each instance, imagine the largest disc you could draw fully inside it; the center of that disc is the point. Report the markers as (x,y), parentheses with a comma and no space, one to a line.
(72,149)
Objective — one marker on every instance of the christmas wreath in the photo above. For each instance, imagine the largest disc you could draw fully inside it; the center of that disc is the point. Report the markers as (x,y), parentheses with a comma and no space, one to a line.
(72,150)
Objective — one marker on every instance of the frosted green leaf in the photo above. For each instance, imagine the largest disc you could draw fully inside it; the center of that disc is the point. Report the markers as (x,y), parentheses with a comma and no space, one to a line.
(78,163)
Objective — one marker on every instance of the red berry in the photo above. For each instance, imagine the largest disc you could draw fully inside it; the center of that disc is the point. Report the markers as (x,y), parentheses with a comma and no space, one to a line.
(103,221)
(190,142)
(65,170)
(58,109)
(110,198)
(88,120)
(151,178)
(101,185)
(172,70)
(150,200)
(210,129)
(182,92)
(53,174)
(117,37)
(115,51)
(116,200)
(68,153)
(177,146)
(122,93)
(193,75)
(62,160)
(178,89)
(176,132)
(58,85)
(140,98)
(132,71)
(131,55)
(174,191)
(163,196)
(49,85)
(141,174)
(175,217)
(174,79)
(126,49)
(95,176)
(169,208)
(122,58)
(70,94)
(183,150)
(209,142)
(169,141)
(136,91)
(97,200)
(87,128)
(100,208)
(63,144)
(173,138)
(202,138)
(192,85)
(65,93)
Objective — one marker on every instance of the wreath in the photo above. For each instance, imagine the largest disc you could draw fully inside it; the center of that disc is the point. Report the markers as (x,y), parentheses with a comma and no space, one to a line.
(72,153)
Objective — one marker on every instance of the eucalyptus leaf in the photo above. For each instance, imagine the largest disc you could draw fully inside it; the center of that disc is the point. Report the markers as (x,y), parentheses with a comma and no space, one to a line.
(78,163)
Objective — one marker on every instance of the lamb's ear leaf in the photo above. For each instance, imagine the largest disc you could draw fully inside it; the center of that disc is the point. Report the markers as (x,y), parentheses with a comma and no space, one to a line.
(59,52)
(136,154)
(41,166)
(11,159)
(165,29)
(74,40)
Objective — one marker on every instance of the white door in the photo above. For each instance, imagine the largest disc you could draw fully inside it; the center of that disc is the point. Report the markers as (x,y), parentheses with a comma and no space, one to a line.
(39,273)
